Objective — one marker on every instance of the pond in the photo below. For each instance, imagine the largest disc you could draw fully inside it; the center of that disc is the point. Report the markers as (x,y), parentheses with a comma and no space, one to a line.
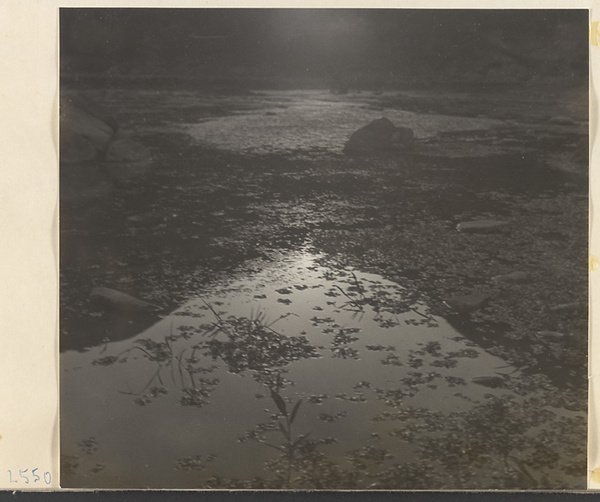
(296,354)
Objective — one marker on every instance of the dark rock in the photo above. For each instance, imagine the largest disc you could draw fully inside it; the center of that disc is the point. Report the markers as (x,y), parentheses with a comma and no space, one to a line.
(481,226)
(376,136)
(553,336)
(111,299)
(92,108)
(402,137)
(127,150)
(568,307)
(75,121)
(494,382)
(86,130)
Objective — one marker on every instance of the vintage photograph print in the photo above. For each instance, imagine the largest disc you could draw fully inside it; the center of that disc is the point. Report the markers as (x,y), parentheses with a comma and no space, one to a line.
(323,249)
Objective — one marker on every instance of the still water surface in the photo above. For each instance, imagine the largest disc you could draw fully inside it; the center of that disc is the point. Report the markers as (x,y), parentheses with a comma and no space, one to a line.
(191,397)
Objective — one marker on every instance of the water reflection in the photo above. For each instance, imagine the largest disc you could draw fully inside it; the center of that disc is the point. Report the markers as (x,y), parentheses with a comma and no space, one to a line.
(299,376)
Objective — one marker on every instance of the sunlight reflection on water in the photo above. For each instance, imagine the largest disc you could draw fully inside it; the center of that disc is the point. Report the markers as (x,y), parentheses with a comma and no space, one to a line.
(341,340)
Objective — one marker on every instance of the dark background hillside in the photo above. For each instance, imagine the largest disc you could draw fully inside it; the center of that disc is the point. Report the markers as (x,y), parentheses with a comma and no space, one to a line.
(299,47)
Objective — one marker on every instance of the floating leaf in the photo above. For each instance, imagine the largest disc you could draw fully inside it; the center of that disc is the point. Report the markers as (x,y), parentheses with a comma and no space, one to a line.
(295,410)
(279,402)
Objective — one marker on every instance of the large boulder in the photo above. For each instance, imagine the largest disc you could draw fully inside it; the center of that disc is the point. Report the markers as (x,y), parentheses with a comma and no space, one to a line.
(83,142)
(378,135)
(92,108)
(75,121)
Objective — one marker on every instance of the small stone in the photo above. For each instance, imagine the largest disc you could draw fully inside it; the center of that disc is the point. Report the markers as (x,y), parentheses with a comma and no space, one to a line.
(481,226)
(117,300)
(512,278)
(566,307)
(464,304)
(493,382)
(554,336)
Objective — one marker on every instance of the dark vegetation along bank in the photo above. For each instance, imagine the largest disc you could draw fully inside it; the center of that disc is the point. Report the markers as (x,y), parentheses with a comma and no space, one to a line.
(471,197)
